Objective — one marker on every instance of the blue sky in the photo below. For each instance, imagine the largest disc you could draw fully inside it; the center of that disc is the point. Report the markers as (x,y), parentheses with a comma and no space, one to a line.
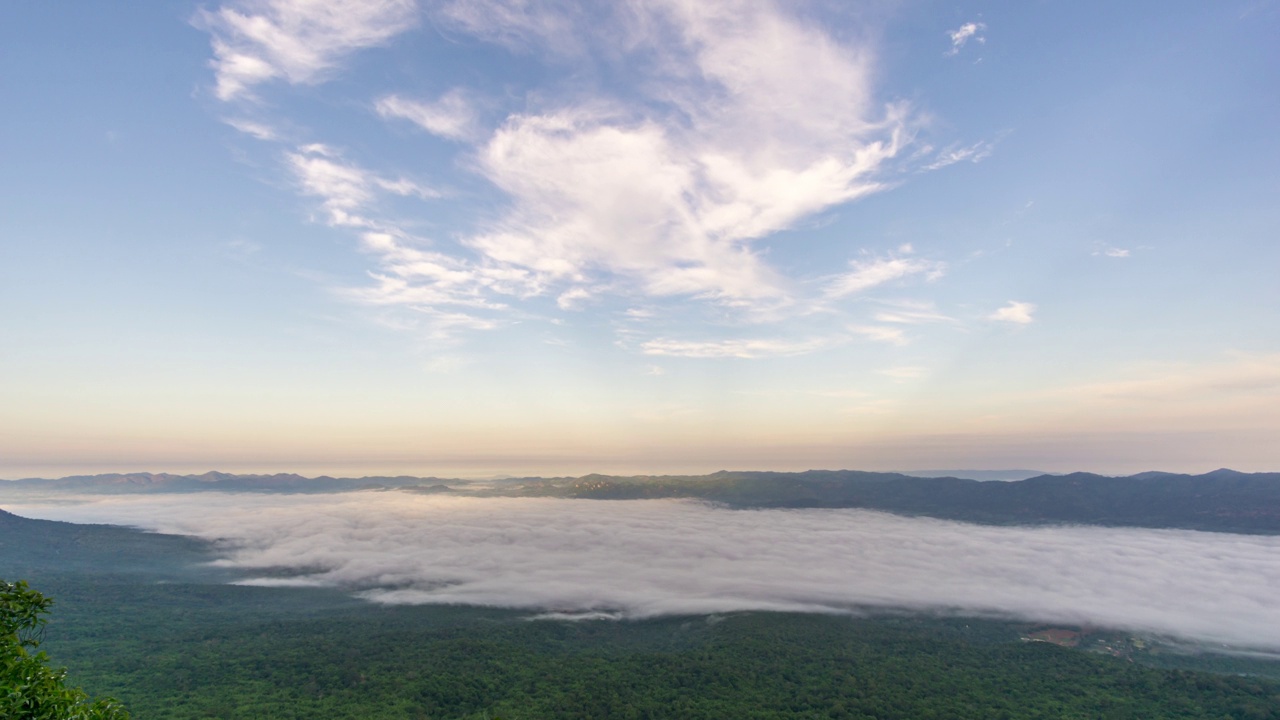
(479,237)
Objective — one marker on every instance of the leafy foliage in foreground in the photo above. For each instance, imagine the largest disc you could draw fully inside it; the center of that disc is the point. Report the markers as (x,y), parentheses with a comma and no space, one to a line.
(29,688)
(187,651)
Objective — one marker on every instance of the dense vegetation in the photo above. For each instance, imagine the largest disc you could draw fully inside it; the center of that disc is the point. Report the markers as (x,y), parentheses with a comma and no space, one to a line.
(182,651)
(29,688)
(171,640)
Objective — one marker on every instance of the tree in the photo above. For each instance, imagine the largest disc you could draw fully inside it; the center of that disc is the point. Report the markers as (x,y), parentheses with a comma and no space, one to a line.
(29,688)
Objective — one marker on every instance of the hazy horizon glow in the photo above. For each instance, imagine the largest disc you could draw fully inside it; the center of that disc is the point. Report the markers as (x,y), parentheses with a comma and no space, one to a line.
(642,558)
(1106,454)
(478,237)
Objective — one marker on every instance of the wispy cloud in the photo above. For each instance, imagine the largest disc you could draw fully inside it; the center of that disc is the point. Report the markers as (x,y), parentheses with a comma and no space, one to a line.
(974,153)
(881,333)
(342,188)
(421,278)
(904,372)
(410,275)
(573,298)
(443,364)
(963,34)
(664,195)
(298,41)
(1111,252)
(252,128)
(523,25)
(911,313)
(661,187)
(1019,313)
(754,348)
(240,250)
(867,274)
(1252,377)
(443,323)
(345,188)
(452,116)
(618,557)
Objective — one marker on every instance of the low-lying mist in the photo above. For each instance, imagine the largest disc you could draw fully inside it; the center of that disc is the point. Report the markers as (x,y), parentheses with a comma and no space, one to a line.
(641,558)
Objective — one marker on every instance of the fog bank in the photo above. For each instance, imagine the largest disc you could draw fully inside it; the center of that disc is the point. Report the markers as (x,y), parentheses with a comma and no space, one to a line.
(653,557)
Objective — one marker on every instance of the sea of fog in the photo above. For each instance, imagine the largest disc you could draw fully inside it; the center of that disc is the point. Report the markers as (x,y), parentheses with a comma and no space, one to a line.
(641,558)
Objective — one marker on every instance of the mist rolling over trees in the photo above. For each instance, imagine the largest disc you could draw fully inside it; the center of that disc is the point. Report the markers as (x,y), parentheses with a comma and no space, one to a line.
(644,558)
(477,598)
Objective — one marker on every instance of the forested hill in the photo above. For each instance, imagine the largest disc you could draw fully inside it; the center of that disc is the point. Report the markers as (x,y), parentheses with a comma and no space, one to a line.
(1221,501)
(30,546)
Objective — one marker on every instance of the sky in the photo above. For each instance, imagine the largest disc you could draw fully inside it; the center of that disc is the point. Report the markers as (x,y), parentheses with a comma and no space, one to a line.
(480,237)
(579,559)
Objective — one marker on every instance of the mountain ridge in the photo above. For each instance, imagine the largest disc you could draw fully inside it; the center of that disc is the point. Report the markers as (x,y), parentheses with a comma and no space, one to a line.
(1222,500)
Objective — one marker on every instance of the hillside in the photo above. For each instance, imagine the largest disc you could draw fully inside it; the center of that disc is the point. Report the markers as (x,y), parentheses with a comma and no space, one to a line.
(31,548)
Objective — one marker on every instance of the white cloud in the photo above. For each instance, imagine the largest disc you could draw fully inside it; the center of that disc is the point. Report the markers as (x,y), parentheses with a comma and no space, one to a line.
(738,120)
(345,189)
(734,348)
(867,274)
(410,276)
(911,313)
(422,278)
(881,333)
(572,298)
(298,41)
(443,324)
(1015,312)
(592,196)
(452,116)
(963,34)
(1110,251)
(342,188)
(574,556)
(252,128)
(950,156)
(671,199)
(904,373)
(523,25)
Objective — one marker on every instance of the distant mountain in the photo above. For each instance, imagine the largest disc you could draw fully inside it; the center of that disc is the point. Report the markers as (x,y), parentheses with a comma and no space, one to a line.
(984,475)
(1220,501)
(145,482)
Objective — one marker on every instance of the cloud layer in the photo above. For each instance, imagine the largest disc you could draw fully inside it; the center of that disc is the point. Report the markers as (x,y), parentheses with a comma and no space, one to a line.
(646,558)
